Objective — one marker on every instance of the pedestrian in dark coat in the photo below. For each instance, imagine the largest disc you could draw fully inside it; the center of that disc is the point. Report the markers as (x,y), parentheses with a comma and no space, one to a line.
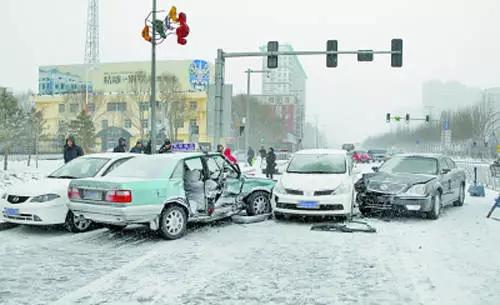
(71,150)
(250,155)
(147,149)
(270,163)
(166,147)
(138,148)
(122,145)
(220,148)
(262,153)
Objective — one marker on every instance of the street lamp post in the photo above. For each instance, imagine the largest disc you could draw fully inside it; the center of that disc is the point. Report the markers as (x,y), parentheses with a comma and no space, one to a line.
(247,104)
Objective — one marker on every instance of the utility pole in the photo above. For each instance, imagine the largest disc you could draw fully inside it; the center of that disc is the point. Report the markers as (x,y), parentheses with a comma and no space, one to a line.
(317,132)
(247,104)
(152,99)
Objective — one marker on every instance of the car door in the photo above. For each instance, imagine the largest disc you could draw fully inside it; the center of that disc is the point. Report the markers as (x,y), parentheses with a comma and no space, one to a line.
(194,184)
(455,178)
(446,179)
(230,179)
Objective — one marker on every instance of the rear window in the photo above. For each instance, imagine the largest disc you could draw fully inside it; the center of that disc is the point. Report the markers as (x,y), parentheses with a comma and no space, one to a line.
(152,168)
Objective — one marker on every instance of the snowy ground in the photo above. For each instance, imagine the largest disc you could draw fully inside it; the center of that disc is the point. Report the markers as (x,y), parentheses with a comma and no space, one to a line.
(453,260)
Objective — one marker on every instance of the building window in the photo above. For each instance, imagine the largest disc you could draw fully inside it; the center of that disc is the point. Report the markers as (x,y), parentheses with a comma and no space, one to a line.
(145,123)
(91,107)
(62,108)
(193,105)
(104,124)
(117,107)
(128,123)
(143,106)
(73,107)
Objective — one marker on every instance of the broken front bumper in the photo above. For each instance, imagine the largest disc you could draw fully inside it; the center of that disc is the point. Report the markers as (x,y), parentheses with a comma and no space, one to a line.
(381,201)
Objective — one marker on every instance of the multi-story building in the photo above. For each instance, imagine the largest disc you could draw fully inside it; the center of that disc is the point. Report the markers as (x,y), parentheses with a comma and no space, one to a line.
(288,79)
(116,95)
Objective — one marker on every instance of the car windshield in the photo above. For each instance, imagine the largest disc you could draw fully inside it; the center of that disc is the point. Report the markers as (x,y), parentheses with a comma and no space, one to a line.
(80,168)
(411,165)
(145,168)
(317,164)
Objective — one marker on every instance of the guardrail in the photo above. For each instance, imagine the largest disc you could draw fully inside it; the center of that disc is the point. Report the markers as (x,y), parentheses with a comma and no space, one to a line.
(484,173)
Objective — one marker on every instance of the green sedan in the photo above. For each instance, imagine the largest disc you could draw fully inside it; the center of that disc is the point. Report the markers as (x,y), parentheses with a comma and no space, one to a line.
(169,190)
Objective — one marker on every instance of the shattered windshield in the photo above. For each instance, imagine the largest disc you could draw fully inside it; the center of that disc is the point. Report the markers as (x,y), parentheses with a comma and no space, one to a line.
(411,165)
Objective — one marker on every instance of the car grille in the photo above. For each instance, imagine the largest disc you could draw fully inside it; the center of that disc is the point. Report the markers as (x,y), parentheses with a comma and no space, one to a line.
(322,207)
(323,193)
(17,199)
(23,217)
(294,192)
(386,187)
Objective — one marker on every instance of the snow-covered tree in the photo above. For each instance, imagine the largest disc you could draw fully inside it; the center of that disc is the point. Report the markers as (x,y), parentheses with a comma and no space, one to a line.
(12,122)
(84,130)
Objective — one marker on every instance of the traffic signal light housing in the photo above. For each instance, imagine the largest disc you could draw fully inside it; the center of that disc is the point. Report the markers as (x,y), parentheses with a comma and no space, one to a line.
(183,30)
(331,59)
(159,28)
(145,33)
(397,58)
(407,117)
(388,117)
(427,118)
(365,55)
(272,60)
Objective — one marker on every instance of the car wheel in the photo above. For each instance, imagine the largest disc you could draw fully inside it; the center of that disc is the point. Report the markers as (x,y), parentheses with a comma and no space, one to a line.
(258,203)
(173,222)
(77,224)
(279,216)
(436,207)
(364,211)
(461,196)
(114,228)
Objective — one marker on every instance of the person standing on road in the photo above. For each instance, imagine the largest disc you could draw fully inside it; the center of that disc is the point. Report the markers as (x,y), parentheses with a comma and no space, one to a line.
(138,148)
(270,163)
(220,148)
(250,155)
(166,148)
(262,152)
(229,156)
(71,150)
(122,145)
(147,149)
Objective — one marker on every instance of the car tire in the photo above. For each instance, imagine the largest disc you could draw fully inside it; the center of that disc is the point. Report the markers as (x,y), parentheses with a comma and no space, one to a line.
(258,203)
(279,216)
(436,207)
(114,228)
(461,196)
(77,224)
(173,222)
(365,211)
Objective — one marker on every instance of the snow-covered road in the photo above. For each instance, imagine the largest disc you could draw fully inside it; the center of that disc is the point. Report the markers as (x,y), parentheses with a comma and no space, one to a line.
(408,261)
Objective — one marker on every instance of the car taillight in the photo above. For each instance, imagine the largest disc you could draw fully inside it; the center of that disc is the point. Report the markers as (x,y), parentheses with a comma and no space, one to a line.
(73,193)
(119,196)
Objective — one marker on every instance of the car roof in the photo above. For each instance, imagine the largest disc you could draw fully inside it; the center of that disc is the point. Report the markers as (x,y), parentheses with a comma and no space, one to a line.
(322,151)
(176,156)
(110,155)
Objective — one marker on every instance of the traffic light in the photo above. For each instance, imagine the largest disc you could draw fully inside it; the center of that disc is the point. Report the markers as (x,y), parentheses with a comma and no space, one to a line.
(365,55)
(331,59)
(183,30)
(388,118)
(427,118)
(397,118)
(242,129)
(173,14)
(407,118)
(272,60)
(397,59)
(145,33)
(159,28)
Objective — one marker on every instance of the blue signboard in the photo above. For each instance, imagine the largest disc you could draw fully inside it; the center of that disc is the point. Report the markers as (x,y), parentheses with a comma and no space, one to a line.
(199,75)
(185,147)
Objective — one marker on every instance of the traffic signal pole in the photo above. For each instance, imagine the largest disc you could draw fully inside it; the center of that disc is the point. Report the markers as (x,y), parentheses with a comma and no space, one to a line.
(152,99)
(220,65)
(247,105)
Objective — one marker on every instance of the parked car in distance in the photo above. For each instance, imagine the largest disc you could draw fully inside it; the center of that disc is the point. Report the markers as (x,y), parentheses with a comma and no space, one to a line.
(360,156)
(45,202)
(412,182)
(378,155)
(169,190)
(317,182)
(348,147)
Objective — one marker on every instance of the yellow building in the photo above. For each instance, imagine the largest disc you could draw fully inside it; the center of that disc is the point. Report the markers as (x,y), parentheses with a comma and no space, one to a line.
(116,96)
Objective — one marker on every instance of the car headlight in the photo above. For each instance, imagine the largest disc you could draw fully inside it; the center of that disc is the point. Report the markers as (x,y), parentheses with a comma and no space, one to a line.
(343,188)
(279,188)
(44,198)
(417,189)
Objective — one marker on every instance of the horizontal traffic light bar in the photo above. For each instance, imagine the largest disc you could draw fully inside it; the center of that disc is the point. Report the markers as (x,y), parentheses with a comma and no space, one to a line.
(257,54)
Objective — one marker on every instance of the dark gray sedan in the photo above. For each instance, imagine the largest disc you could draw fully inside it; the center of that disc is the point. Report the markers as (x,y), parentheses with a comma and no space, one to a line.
(412,182)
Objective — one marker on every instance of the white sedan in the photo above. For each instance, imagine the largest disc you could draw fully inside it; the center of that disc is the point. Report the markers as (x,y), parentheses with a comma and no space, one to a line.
(45,202)
(317,182)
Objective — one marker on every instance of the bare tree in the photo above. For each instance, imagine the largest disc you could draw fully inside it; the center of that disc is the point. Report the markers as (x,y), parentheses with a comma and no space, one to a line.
(173,106)
(138,91)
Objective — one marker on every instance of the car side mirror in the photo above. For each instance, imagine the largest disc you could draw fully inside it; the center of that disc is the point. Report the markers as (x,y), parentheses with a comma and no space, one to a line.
(375,169)
(444,171)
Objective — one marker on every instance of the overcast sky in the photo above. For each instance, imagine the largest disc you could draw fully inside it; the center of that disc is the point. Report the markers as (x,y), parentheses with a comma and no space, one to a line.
(443,39)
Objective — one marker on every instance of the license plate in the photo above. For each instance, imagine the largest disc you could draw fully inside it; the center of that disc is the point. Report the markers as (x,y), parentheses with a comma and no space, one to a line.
(308,204)
(11,212)
(92,195)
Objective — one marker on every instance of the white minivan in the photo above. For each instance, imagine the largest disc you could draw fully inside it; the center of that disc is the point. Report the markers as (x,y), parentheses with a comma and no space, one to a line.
(317,182)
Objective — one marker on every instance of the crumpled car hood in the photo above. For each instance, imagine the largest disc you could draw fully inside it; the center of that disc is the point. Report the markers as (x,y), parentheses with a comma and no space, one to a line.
(394,183)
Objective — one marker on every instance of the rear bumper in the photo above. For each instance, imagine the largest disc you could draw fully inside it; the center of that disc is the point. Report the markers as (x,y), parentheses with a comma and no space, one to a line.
(36,213)
(377,201)
(334,205)
(114,214)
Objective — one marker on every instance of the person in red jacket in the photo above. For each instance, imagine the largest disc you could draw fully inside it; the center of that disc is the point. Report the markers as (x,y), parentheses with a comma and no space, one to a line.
(229,156)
